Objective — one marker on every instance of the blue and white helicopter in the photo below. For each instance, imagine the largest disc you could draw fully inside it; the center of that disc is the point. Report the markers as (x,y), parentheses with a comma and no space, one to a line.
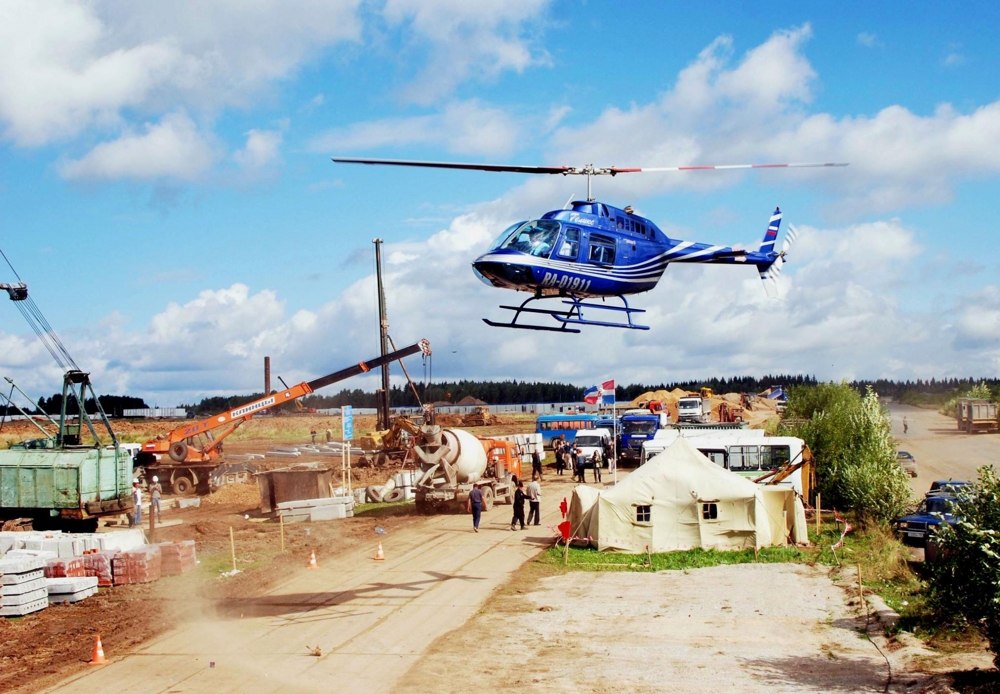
(591,250)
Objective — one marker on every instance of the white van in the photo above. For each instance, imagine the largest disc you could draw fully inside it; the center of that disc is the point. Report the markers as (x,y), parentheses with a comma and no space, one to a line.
(590,440)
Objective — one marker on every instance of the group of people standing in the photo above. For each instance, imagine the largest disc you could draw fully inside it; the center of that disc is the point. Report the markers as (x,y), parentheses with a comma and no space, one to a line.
(569,456)
(532,494)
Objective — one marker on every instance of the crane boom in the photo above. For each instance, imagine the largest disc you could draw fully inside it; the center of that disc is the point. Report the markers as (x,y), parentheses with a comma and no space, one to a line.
(173,443)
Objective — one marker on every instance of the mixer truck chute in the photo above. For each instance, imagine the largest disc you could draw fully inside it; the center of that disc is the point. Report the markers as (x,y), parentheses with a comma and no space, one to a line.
(452,460)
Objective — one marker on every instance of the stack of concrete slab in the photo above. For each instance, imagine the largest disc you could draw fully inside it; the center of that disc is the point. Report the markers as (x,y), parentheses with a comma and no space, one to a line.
(312,510)
(177,557)
(65,567)
(71,589)
(98,565)
(139,565)
(22,586)
(51,544)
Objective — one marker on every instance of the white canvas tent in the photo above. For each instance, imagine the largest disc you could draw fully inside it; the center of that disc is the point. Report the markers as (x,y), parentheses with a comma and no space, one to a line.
(681,500)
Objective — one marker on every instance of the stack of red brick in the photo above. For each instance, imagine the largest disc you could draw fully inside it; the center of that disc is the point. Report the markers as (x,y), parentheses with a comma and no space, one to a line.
(98,563)
(65,567)
(139,565)
(177,557)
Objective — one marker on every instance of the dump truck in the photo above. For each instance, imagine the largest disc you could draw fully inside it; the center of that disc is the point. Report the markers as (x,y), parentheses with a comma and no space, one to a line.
(694,407)
(452,460)
(976,416)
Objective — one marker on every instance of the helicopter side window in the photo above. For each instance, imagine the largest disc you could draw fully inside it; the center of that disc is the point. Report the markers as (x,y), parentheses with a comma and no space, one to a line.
(504,236)
(602,250)
(534,238)
(621,224)
(570,246)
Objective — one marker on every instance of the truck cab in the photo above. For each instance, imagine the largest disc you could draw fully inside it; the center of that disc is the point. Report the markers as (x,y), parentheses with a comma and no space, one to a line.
(639,426)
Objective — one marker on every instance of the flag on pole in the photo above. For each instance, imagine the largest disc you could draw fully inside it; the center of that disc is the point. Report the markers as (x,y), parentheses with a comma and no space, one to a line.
(608,392)
(592,395)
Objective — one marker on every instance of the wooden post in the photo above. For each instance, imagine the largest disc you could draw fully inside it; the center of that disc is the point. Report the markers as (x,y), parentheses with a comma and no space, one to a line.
(819,512)
(232,547)
(784,526)
(566,553)
(152,523)
(281,522)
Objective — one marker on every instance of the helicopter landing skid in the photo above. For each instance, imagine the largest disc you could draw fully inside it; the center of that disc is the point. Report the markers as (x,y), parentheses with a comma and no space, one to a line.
(569,317)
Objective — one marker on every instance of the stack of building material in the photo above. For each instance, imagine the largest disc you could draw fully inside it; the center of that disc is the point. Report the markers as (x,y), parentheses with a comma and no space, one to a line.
(66,567)
(98,564)
(22,586)
(71,589)
(139,565)
(177,557)
(332,508)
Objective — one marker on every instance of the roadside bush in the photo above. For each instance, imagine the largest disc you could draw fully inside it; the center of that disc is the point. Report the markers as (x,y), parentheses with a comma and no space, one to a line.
(855,453)
(965,580)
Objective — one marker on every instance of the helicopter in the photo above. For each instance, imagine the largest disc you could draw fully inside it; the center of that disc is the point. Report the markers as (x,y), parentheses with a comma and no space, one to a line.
(591,250)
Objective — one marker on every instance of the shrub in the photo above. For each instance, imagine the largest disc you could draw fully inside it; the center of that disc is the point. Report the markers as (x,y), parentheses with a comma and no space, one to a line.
(965,580)
(855,454)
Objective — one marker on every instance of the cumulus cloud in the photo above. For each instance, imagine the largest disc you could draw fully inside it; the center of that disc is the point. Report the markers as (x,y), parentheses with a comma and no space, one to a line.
(262,148)
(463,127)
(837,321)
(172,148)
(68,65)
(466,39)
(868,39)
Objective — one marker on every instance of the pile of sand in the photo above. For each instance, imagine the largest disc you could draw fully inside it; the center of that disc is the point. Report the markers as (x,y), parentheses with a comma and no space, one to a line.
(244,495)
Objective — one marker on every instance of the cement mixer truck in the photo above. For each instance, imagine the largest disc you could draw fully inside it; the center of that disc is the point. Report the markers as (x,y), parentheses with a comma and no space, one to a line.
(452,460)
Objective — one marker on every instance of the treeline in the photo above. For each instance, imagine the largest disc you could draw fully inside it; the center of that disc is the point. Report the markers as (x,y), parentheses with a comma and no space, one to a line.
(114,405)
(735,384)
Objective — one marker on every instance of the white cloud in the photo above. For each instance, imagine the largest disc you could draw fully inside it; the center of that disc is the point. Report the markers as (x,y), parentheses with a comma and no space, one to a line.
(467,40)
(953,60)
(262,148)
(868,39)
(68,65)
(463,127)
(172,148)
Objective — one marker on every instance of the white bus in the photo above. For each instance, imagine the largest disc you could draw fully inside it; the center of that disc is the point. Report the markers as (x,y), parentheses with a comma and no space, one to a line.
(746,453)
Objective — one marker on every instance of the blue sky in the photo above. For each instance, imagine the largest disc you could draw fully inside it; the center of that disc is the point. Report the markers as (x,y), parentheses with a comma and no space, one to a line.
(167,191)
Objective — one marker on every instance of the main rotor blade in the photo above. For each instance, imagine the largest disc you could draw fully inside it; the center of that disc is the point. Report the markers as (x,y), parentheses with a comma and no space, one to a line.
(455,165)
(617,170)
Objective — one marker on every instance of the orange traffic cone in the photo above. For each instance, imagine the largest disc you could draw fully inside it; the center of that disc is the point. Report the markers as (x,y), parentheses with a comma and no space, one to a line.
(98,657)
(379,555)
(312,561)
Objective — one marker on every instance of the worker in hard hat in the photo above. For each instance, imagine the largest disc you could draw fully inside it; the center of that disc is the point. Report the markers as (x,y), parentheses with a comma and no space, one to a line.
(137,502)
(154,498)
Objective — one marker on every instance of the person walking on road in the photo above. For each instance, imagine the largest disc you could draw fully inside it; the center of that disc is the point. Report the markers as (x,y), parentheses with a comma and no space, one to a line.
(154,499)
(560,459)
(905,425)
(519,498)
(476,505)
(536,464)
(596,460)
(534,500)
(581,464)
(137,502)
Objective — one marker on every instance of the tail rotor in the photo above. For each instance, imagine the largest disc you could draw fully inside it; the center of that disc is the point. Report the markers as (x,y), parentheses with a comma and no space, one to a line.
(769,273)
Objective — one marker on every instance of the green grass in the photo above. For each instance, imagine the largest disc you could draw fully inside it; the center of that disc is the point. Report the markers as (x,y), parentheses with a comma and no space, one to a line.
(398,508)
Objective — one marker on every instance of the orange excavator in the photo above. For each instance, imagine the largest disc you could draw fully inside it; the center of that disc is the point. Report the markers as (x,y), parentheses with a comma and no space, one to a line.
(187,455)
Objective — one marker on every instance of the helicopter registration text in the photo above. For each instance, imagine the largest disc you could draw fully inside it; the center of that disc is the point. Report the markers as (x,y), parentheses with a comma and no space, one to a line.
(555,279)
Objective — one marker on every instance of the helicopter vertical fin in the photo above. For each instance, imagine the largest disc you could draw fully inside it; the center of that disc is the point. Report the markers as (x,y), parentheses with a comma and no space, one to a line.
(771,235)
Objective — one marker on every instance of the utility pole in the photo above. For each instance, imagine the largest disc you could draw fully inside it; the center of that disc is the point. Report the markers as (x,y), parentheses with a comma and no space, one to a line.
(382,396)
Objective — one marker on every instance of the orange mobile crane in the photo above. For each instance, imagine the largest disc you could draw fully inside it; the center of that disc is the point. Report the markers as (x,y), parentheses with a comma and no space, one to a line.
(186,456)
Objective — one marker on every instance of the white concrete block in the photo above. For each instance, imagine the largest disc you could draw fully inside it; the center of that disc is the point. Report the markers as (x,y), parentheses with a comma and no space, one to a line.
(70,584)
(12,564)
(25,598)
(21,610)
(325,513)
(23,587)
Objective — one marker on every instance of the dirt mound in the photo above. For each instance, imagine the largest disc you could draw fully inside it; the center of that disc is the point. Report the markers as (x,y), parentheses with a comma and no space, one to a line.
(244,495)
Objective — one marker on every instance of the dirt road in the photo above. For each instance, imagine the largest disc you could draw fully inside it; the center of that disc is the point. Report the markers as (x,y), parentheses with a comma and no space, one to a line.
(746,628)
(370,620)
(942,452)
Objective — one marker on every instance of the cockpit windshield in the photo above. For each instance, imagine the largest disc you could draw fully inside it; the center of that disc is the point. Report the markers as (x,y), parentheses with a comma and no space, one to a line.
(504,236)
(535,238)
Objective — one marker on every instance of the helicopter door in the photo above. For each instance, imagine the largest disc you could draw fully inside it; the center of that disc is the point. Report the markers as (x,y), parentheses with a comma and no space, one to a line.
(569,246)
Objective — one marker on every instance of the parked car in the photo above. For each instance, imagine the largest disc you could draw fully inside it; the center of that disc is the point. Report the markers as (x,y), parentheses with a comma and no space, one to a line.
(907,462)
(916,528)
(949,487)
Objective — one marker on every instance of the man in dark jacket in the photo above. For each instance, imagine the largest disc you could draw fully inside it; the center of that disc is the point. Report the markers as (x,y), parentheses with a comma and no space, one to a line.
(536,464)
(476,506)
(519,498)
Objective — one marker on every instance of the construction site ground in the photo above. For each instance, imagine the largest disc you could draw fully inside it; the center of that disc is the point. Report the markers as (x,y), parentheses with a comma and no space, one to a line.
(452,610)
